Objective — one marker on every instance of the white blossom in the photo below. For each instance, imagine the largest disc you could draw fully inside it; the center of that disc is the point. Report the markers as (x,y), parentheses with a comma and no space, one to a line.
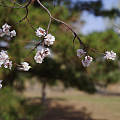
(40,32)
(1,84)
(38,58)
(80,52)
(6,31)
(1,33)
(110,55)
(3,57)
(6,26)
(49,39)
(8,64)
(41,54)
(24,66)
(13,33)
(46,52)
(87,61)
(4,60)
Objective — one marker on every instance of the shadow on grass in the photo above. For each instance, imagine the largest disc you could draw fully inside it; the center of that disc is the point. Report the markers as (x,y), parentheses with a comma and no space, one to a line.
(54,110)
(57,111)
(33,108)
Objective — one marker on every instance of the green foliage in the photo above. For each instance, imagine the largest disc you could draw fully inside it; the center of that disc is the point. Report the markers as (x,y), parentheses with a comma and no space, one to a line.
(11,107)
(34,110)
(101,71)
(107,40)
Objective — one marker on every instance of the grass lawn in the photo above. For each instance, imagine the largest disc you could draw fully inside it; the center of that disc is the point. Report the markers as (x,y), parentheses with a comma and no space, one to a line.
(72,104)
(99,107)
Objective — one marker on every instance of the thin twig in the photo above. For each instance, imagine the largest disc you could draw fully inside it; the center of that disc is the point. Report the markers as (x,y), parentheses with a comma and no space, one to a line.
(20,6)
(26,15)
(16,3)
(23,17)
(50,15)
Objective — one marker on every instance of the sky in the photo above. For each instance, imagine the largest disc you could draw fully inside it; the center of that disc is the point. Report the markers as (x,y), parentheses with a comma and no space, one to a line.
(97,23)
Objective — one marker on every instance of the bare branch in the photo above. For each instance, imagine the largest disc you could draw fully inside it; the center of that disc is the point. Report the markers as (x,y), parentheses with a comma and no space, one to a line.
(16,3)
(26,15)
(50,16)
(23,17)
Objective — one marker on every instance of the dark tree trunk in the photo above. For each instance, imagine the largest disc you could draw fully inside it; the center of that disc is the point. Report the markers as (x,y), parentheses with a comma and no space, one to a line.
(44,84)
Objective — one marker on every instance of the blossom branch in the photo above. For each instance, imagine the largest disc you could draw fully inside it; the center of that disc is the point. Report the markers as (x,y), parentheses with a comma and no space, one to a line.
(60,21)
(45,40)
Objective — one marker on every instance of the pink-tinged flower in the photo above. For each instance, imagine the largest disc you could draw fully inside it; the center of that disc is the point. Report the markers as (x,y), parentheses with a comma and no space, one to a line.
(80,52)
(3,57)
(38,58)
(41,54)
(6,29)
(87,61)
(46,52)
(8,64)
(49,40)
(4,60)
(40,32)
(24,66)
(110,55)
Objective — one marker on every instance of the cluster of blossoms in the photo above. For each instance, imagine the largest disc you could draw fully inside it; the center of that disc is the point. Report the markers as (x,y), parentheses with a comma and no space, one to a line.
(5,31)
(41,54)
(87,60)
(110,55)
(48,40)
(4,60)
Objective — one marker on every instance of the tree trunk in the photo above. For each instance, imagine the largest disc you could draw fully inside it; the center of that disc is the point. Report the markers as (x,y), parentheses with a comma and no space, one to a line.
(44,84)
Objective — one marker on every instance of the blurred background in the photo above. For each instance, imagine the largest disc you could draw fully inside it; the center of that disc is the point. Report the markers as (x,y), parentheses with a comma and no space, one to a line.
(61,88)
